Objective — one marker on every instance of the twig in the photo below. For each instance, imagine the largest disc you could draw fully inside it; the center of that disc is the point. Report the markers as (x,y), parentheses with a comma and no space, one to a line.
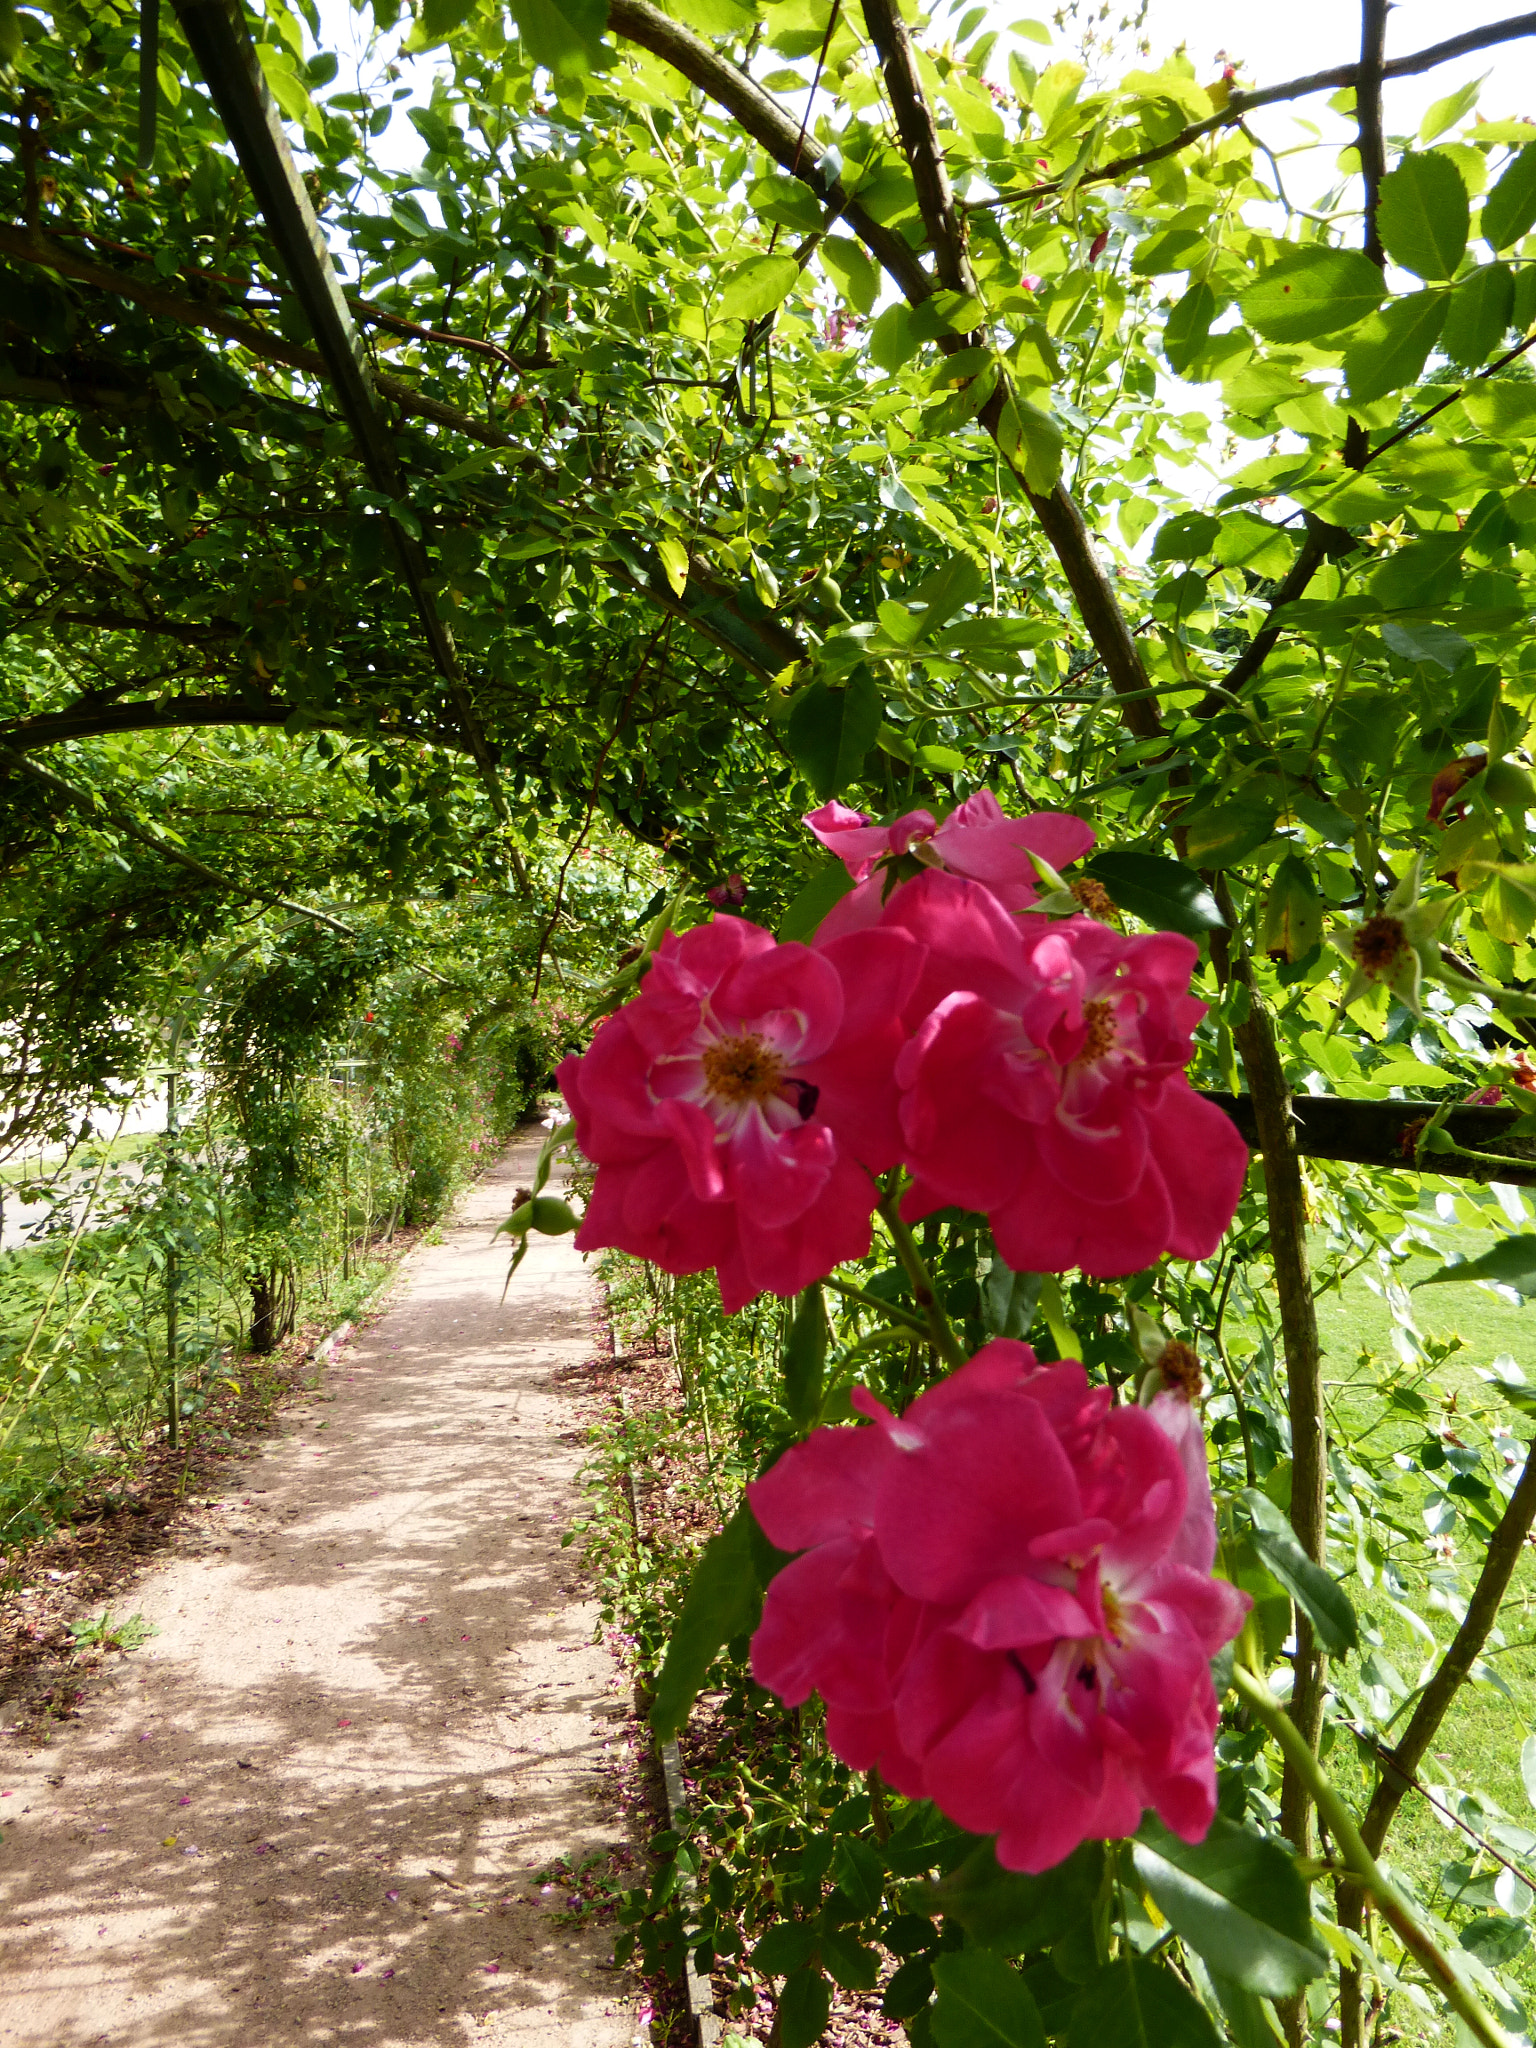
(1241,104)
(1393,1907)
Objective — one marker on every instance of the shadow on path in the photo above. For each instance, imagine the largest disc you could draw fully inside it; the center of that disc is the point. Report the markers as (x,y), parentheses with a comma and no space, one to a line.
(314,1807)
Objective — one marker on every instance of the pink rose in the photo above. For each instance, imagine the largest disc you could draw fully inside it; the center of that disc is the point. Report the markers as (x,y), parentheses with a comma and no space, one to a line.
(1045,1085)
(1034,1657)
(978,840)
(738,1107)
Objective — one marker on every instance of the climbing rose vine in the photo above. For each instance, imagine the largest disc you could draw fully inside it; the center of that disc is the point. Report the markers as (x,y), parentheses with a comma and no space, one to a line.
(1005,1599)
(1004,1595)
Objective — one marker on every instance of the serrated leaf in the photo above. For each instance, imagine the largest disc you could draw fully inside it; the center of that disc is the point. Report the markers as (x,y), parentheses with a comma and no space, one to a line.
(831,730)
(786,1947)
(755,287)
(983,2003)
(565,36)
(1312,292)
(1238,1900)
(1423,640)
(1320,1596)
(1391,348)
(724,1599)
(1031,440)
(1163,893)
(1222,835)
(1481,309)
(805,2006)
(1509,211)
(1015,1911)
(1134,2003)
(1423,215)
(1511,1263)
(858,1868)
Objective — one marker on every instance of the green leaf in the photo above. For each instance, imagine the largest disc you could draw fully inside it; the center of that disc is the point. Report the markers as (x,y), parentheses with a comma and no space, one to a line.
(1391,348)
(724,1599)
(1031,439)
(847,1961)
(1512,1263)
(1312,292)
(755,287)
(805,2006)
(1188,328)
(1185,537)
(1163,893)
(1248,542)
(1320,1597)
(830,731)
(982,2003)
(1423,640)
(284,84)
(1478,317)
(857,1867)
(856,275)
(786,1947)
(674,560)
(1424,215)
(1495,1938)
(565,36)
(785,200)
(1137,2004)
(811,905)
(1528,1767)
(1011,1910)
(805,1359)
(892,341)
(1009,1300)
(1509,211)
(1293,911)
(1444,114)
(1221,836)
(944,592)
(1238,1900)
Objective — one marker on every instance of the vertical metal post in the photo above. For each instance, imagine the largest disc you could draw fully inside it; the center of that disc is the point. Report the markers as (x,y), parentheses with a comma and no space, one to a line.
(346,1165)
(172,1269)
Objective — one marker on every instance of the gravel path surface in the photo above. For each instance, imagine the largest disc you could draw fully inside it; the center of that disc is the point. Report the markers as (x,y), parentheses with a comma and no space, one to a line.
(318,1805)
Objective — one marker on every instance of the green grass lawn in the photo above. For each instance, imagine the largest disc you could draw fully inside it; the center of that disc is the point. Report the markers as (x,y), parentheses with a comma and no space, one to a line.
(1478,1747)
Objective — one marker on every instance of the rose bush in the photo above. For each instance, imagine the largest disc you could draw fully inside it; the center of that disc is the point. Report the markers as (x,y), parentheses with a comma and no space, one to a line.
(1005,1599)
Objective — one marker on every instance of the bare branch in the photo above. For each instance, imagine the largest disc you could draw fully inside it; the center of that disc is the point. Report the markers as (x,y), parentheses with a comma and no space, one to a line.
(1241,104)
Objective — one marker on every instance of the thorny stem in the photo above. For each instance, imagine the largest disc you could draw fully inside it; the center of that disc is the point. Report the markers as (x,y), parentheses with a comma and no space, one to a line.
(1393,1907)
(891,1310)
(944,1339)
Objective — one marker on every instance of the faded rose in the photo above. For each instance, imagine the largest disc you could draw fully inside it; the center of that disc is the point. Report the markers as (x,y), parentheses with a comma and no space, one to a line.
(977,840)
(1005,1599)
(1045,1085)
(737,1108)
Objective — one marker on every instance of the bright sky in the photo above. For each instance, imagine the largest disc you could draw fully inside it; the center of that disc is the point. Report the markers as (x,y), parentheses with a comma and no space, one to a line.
(1272,40)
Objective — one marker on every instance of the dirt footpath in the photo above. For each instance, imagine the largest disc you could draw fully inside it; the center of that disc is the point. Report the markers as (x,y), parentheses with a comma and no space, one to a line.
(317,1805)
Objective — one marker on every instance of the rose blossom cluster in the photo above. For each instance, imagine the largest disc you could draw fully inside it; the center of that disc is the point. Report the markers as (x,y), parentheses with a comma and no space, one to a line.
(1034,1658)
(1032,1067)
